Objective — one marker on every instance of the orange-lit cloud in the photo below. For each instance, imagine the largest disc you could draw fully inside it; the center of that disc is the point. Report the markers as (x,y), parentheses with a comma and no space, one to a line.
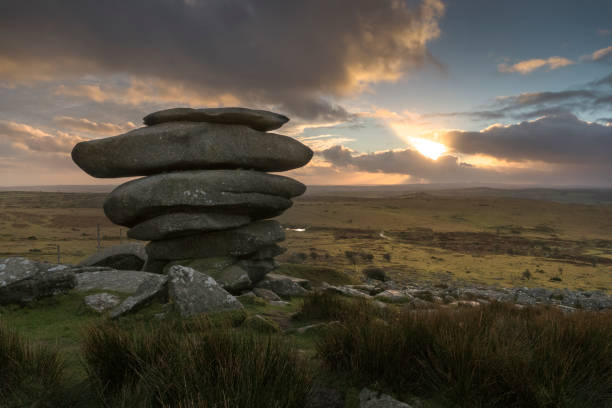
(599,54)
(26,137)
(88,126)
(528,66)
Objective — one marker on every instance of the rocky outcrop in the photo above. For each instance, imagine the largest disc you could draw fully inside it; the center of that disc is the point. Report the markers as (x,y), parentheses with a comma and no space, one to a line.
(23,280)
(206,194)
(255,119)
(179,146)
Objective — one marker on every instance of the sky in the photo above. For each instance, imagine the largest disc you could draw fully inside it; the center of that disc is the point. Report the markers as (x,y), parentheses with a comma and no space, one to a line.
(384,91)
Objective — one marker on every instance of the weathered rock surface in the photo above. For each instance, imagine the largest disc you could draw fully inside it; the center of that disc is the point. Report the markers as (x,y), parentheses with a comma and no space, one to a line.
(241,192)
(178,146)
(130,257)
(256,119)
(193,293)
(266,294)
(258,268)
(373,399)
(235,242)
(23,280)
(100,302)
(182,224)
(154,286)
(234,279)
(282,285)
(112,279)
(204,265)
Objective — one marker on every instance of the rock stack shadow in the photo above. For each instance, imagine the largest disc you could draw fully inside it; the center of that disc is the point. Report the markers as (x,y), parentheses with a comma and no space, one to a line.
(207,196)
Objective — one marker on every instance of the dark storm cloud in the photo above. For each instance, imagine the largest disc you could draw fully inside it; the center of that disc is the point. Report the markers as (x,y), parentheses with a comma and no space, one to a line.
(409,162)
(290,54)
(562,139)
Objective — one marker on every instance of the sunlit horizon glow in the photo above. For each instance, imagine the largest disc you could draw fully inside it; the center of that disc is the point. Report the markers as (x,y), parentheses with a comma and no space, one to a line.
(428,148)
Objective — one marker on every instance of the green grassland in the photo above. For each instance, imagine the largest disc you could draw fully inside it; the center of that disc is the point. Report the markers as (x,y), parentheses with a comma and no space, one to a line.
(447,236)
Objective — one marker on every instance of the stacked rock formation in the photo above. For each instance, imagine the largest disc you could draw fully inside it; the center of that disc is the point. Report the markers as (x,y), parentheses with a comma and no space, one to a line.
(207,196)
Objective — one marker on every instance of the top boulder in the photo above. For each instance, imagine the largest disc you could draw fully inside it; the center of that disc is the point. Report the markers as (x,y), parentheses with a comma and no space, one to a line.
(255,119)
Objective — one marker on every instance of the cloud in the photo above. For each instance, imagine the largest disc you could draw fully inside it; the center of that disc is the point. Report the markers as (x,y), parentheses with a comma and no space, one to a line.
(26,137)
(604,32)
(410,163)
(295,55)
(89,126)
(599,55)
(528,66)
(562,139)
(323,142)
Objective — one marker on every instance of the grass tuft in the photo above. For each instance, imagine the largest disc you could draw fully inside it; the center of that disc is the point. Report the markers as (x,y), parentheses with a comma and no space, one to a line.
(193,365)
(29,375)
(493,356)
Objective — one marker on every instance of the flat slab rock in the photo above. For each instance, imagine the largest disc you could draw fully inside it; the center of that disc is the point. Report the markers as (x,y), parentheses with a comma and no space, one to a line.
(241,192)
(23,280)
(130,256)
(179,146)
(149,289)
(112,279)
(193,293)
(256,119)
(183,224)
(234,243)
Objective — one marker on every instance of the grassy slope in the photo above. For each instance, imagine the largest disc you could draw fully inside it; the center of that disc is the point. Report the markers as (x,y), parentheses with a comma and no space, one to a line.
(336,224)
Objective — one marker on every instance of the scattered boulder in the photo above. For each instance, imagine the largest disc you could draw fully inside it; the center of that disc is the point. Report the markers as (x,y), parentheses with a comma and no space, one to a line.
(154,286)
(282,285)
(23,280)
(266,294)
(374,399)
(112,279)
(261,324)
(234,279)
(130,257)
(393,296)
(180,146)
(255,119)
(343,290)
(194,293)
(100,302)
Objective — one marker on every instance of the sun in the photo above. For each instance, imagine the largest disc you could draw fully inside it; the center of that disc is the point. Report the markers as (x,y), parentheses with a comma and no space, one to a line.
(428,148)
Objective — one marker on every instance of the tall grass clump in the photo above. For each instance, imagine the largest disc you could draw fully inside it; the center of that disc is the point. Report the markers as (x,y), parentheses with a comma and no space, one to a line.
(29,375)
(193,365)
(326,306)
(492,356)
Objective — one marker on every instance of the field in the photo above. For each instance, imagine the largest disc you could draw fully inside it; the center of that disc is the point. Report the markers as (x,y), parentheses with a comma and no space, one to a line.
(459,237)
(475,236)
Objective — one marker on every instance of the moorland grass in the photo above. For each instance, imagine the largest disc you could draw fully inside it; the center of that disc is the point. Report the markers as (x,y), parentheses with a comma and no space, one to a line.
(492,356)
(195,364)
(30,375)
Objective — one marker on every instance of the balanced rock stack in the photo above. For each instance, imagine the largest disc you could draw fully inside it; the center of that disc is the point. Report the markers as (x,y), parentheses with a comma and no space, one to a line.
(207,196)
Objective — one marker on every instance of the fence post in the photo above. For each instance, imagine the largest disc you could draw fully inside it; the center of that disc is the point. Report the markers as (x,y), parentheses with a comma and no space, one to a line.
(98,236)
(121,235)
(58,254)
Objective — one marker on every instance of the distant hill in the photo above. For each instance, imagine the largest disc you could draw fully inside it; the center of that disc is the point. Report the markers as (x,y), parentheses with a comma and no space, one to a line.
(577,195)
